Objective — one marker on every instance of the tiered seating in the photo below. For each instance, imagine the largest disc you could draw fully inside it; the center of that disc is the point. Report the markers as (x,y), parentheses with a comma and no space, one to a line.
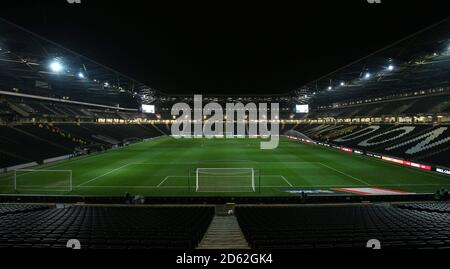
(107,227)
(121,132)
(48,133)
(77,131)
(8,159)
(440,207)
(67,112)
(28,147)
(400,141)
(39,109)
(343,227)
(36,142)
(408,107)
(20,208)
(4,109)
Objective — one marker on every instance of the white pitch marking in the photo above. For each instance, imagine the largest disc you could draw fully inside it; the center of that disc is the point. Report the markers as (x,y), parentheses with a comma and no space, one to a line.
(345,174)
(105,174)
(287,181)
(162,182)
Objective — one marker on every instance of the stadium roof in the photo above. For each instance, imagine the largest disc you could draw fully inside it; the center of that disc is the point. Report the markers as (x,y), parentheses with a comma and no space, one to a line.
(419,61)
(32,64)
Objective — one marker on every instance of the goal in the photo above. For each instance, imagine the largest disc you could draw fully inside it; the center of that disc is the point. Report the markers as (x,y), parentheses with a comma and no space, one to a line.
(225,180)
(42,180)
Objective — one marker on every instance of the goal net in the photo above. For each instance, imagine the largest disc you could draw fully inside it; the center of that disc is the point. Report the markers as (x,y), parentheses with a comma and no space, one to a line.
(225,180)
(42,180)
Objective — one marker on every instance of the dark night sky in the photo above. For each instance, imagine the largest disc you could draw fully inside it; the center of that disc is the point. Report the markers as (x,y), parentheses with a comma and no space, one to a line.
(224,48)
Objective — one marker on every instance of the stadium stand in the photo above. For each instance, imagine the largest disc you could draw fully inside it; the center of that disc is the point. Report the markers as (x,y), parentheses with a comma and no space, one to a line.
(26,143)
(7,209)
(29,147)
(343,227)
(423,105)
(105,227)
(424,143)
(439,207)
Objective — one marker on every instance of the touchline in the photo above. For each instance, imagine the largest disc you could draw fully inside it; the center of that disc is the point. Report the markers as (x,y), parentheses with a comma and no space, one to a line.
(208,121)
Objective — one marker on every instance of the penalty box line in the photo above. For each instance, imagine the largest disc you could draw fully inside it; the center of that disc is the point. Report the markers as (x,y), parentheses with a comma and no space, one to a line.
(105,174)
(345,174)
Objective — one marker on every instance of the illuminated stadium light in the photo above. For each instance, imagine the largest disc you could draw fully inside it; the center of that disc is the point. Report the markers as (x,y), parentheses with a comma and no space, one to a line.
(56,66)
(106,84)
(80,75)
(391,67)
(330,88)
(342,84)
(367,75)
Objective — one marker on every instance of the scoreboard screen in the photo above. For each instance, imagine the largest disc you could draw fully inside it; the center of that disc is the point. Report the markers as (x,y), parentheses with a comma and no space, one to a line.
(302,109)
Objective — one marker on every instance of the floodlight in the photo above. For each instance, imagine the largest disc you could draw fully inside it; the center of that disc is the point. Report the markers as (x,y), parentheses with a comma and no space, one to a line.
(56,66)
(367,75)
(80,75)
(342,84)
(391,67)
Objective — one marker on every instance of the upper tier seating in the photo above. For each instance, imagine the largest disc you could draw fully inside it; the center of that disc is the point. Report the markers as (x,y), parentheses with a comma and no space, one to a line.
(427,105)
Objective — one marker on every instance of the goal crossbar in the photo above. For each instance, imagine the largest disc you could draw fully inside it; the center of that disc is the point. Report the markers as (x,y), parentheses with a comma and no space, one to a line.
(225,179)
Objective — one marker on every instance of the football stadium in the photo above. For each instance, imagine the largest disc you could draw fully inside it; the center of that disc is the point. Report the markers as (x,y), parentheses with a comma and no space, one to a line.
(92,158)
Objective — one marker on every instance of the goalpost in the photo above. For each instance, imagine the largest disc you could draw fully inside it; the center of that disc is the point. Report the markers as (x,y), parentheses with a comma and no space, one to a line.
(225,180)
(42,180)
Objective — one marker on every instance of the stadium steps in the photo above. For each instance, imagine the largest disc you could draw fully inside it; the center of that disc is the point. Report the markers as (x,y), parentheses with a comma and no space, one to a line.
(18,110)
(159,130)
(224,233)
(41,139)
(106,139)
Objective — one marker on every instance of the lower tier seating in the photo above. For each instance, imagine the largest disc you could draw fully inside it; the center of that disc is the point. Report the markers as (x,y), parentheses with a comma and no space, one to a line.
(13,208)
(440,207)
(343,227)
(26,143)
(107,227)
(421,143)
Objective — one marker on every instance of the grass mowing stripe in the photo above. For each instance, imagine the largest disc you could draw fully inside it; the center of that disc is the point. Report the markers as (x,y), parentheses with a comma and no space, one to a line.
(177,158)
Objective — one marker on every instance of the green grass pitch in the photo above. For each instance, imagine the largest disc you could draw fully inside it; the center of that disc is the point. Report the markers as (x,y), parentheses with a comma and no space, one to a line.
(166,167)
